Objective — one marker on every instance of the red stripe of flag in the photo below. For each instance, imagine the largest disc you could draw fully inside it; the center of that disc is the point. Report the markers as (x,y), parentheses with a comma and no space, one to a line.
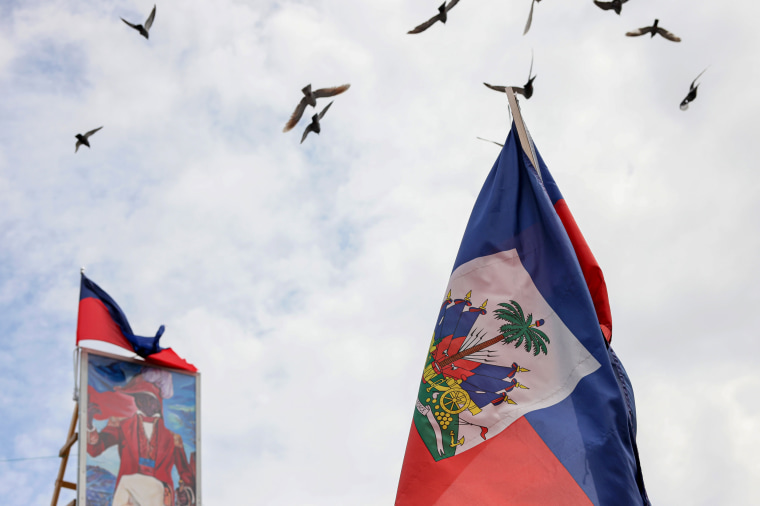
(590,267)
(95,323)
(527,473)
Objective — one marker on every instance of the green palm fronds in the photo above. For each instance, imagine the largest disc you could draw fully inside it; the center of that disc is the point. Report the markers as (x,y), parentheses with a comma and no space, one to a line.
(521,330)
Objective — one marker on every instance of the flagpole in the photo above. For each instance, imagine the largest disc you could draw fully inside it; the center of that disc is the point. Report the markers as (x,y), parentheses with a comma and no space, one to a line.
(77,358)
(522,130)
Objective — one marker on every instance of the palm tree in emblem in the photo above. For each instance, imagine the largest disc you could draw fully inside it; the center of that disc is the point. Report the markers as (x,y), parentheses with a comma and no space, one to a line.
(520,329)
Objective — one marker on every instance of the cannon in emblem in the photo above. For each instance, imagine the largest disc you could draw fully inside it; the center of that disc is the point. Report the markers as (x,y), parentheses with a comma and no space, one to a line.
(454,399)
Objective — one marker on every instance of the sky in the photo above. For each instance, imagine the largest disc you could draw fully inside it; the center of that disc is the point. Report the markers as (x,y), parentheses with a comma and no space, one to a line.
(303,280)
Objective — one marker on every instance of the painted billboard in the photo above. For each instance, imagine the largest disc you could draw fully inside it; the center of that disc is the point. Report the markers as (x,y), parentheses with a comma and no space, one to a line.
(139,434)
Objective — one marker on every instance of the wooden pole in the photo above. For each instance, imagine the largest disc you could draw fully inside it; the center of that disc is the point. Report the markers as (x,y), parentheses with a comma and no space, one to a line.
(64,453)
(522,130)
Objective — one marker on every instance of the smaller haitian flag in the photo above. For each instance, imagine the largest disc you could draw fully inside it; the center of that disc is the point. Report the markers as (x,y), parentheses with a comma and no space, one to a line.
(101,319)
(521,400)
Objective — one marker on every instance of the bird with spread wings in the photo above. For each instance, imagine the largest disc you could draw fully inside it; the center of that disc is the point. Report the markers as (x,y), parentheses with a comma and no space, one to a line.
(143,29)
(310,98)
(526,90)
(314,126)
(83,139)
(442,16)
(653,30)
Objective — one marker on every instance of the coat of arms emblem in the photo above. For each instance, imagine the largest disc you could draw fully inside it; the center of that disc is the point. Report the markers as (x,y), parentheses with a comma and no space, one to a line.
(468,377)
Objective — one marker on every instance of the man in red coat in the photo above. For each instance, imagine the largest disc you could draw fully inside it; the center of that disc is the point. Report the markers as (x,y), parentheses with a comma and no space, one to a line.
(147,449)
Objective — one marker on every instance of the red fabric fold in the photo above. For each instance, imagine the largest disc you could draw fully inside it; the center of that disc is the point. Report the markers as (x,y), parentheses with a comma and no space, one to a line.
(590,267)
(168,358)
(95,323)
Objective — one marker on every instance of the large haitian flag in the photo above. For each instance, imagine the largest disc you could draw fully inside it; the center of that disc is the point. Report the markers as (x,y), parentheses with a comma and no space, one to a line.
(101,319)
(522,402)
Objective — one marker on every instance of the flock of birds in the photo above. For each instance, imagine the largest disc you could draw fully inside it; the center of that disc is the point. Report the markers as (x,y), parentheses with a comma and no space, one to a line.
(143,29)
(527,89)
(310,96)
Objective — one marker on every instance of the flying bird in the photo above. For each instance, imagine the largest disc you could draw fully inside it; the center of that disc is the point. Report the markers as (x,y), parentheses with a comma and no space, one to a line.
(692,93)
(616,5)
(530,16)
(143,29)
(310,98)
(441,16)
(314,125)
(654,29)
(526,91)
(82,139)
